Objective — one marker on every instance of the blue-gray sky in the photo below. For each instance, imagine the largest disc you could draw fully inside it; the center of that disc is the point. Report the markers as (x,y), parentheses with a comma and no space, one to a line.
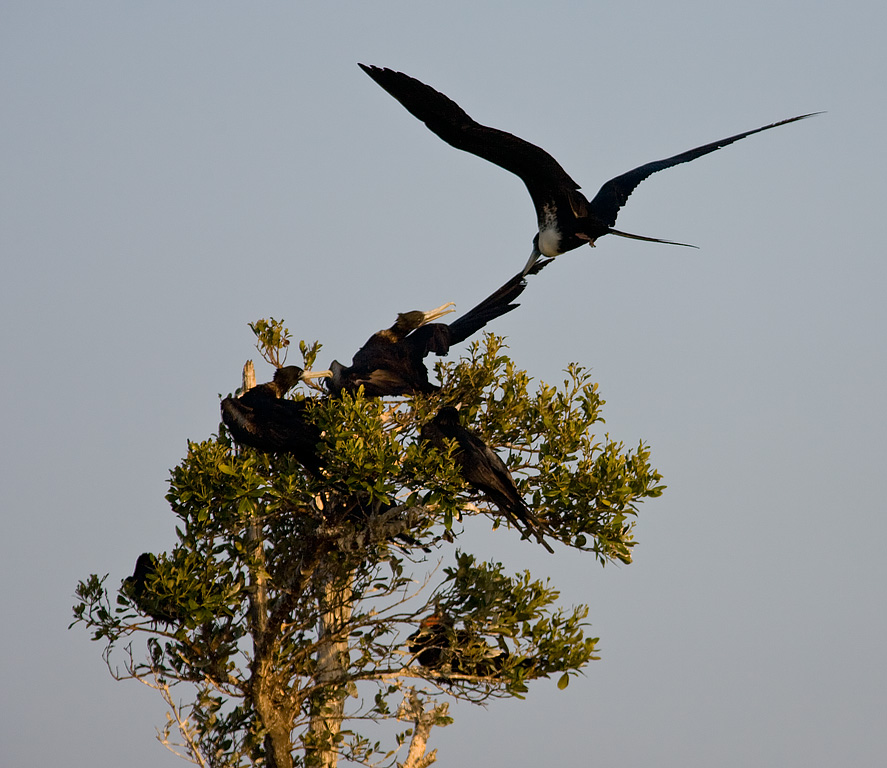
(172,171)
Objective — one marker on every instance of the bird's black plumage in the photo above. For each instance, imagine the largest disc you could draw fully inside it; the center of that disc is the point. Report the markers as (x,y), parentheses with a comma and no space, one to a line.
(392,360)
(137,588)
(438,646)
(482,469)
(144,567)
(566,218)
(262,418)
(429,642)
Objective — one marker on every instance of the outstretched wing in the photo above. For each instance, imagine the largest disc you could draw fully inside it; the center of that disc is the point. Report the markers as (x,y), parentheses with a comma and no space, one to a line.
(538,170)
(615,192)
(438,337)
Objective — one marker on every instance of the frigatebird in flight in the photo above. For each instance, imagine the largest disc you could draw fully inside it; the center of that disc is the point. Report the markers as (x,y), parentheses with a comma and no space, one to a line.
(482,469)
(262,418)
(567,219)
(392,360)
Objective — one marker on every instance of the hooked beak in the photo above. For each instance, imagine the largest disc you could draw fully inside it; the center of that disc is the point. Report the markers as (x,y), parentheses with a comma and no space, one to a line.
(434,314)
(306,375)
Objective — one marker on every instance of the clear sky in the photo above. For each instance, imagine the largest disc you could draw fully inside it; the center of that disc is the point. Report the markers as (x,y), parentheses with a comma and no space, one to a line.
(171,171)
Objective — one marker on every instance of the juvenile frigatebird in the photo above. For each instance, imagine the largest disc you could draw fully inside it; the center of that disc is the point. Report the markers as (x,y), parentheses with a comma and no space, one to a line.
(262,418)
(482,469)
(392,361)
(567,219)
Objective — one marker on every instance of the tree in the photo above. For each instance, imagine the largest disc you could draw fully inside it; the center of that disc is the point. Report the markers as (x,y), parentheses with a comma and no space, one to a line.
(300,606)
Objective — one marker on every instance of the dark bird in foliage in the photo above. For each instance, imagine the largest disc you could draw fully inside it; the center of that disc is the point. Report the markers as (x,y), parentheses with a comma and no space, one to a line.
(365,521)
(567,219)
(136,586)
(392,361)
(484,470)
(262,418)
(429,642)
(436,645)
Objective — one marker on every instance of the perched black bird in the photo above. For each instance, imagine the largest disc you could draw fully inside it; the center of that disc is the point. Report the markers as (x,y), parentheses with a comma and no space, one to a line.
(439,647)
(567,219)
(484,470)
(430,641)
(392,360)
(263,419)
(137,588)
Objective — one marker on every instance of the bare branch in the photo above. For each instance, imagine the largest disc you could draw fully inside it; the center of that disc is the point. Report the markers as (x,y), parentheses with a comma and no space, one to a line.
(412,708)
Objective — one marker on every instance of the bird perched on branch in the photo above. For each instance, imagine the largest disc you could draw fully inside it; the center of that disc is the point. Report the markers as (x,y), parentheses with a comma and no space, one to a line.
(566,218)
(392,361)
(482,469)
(262,418)
(136,586)
(438,646)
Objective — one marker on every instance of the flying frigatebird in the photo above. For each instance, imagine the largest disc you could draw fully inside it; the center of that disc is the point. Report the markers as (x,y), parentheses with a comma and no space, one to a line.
(262,418)
(567,219)
(482,469)
(392,360)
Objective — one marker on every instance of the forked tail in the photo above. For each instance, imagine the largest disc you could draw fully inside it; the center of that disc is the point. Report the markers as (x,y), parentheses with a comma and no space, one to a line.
(612,231)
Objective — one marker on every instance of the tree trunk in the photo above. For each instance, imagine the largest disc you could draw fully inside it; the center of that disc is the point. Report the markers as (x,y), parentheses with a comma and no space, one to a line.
(277,721)
(328,707)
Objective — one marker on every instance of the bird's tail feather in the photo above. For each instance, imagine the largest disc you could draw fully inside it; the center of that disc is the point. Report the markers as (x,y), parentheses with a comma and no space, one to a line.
(612,231)
(524,519)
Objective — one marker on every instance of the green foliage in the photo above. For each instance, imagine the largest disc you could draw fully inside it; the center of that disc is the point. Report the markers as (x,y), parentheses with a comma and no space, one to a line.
(272,340)
(289,598)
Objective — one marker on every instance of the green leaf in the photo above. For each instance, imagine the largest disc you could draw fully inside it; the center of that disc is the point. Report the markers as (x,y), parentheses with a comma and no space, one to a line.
(267,554)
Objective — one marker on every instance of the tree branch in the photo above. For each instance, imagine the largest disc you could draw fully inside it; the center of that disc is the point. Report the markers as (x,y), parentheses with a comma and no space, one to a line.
(413,708)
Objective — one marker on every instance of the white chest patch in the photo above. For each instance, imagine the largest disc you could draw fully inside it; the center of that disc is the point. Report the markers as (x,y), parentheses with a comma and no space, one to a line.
(549,241)
(549,234)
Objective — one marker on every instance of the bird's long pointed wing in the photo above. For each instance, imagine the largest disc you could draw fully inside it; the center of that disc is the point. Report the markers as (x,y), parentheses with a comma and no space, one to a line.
(615,192)
(495,305)
(538,170)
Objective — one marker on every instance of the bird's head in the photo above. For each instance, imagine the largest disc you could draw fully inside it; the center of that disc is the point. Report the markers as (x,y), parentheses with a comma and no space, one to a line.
(145,566)
(437,621)
(287,377)
(335,381)
(448,415)
(409,321)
